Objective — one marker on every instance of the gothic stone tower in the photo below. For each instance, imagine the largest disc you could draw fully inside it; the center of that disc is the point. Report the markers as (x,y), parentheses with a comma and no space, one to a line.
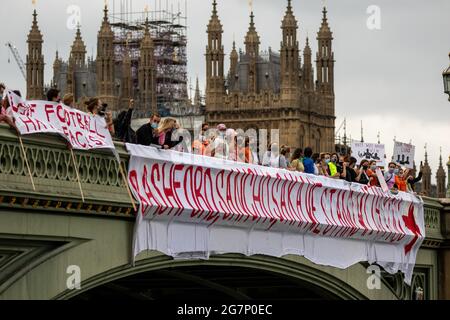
(105,63)
(35,63)
(426,179)
(77,61)
(440,179)
(270,90)
(215,89)
(147,75)
(289,59)
(448,185)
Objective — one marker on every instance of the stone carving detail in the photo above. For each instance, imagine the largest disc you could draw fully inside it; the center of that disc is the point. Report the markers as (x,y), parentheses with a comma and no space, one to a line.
(432,218)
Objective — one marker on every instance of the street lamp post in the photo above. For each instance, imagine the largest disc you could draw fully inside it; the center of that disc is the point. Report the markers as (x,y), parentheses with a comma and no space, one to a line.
(446,76)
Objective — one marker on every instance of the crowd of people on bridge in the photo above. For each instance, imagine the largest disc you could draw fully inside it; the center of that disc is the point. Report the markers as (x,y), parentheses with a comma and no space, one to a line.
(226,143)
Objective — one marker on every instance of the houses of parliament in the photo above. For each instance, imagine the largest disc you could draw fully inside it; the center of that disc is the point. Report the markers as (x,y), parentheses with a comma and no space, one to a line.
(274,90)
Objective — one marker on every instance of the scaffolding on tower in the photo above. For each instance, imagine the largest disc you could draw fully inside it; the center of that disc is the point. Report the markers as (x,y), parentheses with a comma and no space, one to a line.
(168,29)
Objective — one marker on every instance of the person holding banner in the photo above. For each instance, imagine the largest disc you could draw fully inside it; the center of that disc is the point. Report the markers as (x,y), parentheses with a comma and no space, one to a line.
(68,100)
(5,108)
(53,95)
(94,106)
(400,180)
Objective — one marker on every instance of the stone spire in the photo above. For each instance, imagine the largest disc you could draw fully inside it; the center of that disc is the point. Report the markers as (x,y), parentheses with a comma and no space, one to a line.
(126,90)
(35,62)
(426,179)
(197,97)
(215,81)
(325,56)
(440,179)
(56,69)
(289,59)
(308,73)
(325,77)
(105,63)
(147,74)
(252,43)
(234,60)
(78,52)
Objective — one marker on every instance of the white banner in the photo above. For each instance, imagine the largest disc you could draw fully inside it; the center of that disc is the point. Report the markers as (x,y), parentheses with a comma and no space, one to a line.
(193,206)
(369,151)
(82,130)
(404,154)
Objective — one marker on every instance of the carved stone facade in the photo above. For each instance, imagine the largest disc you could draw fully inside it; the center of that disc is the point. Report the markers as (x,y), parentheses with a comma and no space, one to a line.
(273,91)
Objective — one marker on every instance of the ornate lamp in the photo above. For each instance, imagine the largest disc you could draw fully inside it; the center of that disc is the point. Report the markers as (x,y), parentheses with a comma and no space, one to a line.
(446,76)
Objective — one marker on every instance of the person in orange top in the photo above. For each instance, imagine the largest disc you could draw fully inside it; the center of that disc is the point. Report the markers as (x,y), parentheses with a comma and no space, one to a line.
(400,180)
(248,155)
(372,173)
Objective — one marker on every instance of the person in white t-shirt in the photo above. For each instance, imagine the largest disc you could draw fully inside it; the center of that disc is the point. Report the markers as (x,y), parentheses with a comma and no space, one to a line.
(221,148)
(272,156)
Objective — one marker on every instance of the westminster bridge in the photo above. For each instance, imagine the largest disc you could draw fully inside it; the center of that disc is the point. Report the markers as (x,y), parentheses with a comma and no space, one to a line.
(48,233)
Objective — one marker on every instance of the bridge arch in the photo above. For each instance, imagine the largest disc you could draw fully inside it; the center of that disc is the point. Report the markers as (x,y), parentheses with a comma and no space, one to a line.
(300,274)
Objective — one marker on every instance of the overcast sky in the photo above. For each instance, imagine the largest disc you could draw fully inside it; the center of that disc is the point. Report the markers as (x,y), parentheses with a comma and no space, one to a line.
(391,78)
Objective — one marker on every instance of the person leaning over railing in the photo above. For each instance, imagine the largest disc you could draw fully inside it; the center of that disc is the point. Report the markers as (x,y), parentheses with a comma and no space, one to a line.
(146,133)
(163,135)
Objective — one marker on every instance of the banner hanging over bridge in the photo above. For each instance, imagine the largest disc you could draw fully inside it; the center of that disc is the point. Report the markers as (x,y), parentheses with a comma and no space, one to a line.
(193,206)
(82,131)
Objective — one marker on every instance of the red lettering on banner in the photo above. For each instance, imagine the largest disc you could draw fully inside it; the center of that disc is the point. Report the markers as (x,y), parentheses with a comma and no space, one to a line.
(256,198)
(198,192)
(78,134)
(133,179)
(188,188)
(237,197)
(155,176)
(220,189)
(28,121)
(80,121)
